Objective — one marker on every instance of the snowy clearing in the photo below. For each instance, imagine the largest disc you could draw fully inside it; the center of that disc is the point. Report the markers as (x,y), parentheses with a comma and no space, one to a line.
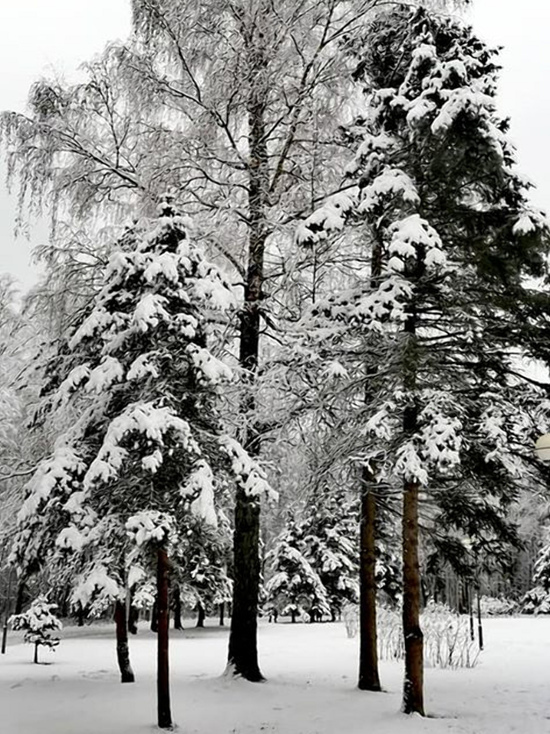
(311,688)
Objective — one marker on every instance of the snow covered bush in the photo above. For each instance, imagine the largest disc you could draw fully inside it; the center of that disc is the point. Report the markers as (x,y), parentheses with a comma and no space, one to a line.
(38,622)
(447,642)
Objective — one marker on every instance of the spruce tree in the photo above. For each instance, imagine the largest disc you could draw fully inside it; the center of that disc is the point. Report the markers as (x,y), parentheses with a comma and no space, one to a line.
(454,240)
(141,456)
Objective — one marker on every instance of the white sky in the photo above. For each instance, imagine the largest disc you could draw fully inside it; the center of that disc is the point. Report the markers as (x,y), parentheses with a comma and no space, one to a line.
(38,35)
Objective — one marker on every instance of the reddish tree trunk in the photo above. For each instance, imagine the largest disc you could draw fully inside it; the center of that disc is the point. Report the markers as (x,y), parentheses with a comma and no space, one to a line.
(122,647)
(163,668)
(413,695)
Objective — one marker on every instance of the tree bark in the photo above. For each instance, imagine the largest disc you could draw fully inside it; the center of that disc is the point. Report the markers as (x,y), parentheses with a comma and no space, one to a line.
(163,669)
(178,625)
(155,616)
(36,653)
(413,696)
(133,618)
(200,616)
(243,651)
(222,614)
(122,647)
(20,598)
(243,644)
(369,679)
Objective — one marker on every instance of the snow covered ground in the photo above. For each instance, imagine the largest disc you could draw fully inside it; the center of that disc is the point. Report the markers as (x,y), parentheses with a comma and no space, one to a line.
(311,687)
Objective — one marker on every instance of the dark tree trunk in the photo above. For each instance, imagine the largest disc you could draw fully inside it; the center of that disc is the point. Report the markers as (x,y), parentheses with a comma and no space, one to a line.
(155,616)
(20,598)
(369,679)
(413,695)
(178,625)
(201,616)
(36,653)
(80,615)
(293,617)
(122,647)
(133,618)
(413,688)
(163,669)
(243,643)
(222,614)
(479,624)
(243,651)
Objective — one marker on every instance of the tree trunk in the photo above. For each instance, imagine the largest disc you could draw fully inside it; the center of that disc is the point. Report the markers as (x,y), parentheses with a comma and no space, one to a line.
(163,670)
(243,643)
(413,696)
(201,616)
(369,679)
(36,653)
(178,625)
(222,614)
(80,615)
(20,598)
(133,618)
(155,616)
(122,647)
(243,651)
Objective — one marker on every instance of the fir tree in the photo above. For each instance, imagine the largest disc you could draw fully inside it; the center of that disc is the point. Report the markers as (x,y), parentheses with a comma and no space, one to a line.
(329,532)
(454,239)
(295,587)
(537,599)
(143,455)
(38,622)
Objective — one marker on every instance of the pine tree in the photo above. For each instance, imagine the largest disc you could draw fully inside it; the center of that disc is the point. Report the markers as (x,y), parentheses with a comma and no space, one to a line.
(537,599)
(295,587)
(329,531)
(143,456)
(454,239)
(38,622)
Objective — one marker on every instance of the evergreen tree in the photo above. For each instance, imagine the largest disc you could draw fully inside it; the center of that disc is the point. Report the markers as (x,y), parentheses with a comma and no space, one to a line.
(537,599)
(295,587)
(142,456)
(454,239)
(38,622)
(330,545)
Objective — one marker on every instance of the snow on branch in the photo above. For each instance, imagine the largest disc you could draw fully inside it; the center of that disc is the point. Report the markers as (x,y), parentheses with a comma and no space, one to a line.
(57,472)
(329,218)
(150,421)
(99,585)
(150,527)
(247,472)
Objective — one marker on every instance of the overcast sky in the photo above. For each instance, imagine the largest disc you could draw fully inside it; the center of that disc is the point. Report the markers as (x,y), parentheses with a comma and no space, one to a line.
(40,35)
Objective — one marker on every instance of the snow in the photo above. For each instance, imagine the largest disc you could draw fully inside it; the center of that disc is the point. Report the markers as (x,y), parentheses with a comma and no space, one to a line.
(248,473)
(311,687)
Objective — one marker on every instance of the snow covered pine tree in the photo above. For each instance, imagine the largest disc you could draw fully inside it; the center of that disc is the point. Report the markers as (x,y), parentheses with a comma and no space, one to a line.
(147,441)
(456,236)
(38,622)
